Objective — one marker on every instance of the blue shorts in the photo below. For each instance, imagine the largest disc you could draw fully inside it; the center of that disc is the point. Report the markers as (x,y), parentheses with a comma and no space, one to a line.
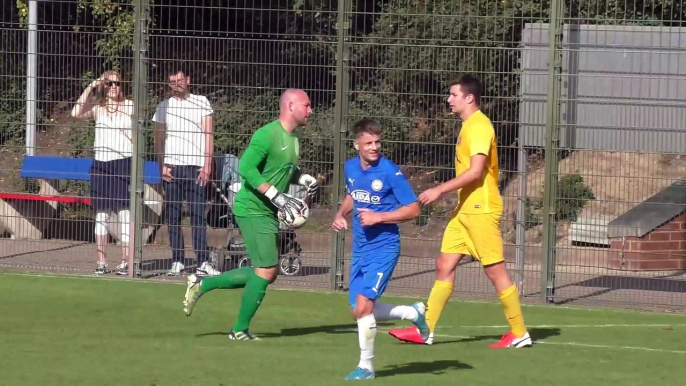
(369,278)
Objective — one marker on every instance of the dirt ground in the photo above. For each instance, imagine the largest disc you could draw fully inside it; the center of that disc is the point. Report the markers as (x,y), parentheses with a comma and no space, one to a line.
(618,180)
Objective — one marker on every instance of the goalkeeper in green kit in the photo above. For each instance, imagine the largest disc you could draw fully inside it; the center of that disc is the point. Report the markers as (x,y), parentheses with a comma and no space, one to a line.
(267,168)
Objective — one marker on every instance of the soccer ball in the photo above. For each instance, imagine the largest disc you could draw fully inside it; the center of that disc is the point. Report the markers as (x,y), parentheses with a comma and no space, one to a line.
(298,220)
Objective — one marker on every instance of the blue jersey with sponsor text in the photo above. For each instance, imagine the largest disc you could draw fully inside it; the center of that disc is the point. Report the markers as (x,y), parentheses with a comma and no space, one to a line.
(381,188)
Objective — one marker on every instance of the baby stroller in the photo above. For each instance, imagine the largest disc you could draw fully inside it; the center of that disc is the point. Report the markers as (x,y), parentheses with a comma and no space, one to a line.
(233,254)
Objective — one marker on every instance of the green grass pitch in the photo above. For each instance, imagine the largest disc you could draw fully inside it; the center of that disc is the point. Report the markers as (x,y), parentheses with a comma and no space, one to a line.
(58,330)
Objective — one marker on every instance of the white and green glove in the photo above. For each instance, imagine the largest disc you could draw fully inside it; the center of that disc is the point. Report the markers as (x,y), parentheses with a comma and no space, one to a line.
(310,183)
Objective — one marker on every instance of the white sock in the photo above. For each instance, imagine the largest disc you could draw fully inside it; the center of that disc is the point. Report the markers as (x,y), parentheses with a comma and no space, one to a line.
(385,311)
(366,332)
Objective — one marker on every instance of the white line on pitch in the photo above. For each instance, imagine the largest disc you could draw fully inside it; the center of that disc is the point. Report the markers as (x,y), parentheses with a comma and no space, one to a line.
(577,344)
(574,344)
(613,347)
(576,326)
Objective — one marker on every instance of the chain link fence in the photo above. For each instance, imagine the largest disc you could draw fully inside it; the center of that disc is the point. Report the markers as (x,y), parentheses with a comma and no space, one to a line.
(586,99)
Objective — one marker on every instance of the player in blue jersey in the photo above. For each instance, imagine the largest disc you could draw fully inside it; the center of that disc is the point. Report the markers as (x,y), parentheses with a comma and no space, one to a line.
(380,197)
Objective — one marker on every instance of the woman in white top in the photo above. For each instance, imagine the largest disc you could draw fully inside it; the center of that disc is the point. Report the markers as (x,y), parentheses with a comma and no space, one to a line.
(104,101)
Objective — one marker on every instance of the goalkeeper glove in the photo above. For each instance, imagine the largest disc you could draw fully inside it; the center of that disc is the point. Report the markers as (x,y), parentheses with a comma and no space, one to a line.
(310,183)
(287,204)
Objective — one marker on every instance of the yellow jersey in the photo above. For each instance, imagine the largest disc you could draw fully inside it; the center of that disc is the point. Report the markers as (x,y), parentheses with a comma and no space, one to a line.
(477,136)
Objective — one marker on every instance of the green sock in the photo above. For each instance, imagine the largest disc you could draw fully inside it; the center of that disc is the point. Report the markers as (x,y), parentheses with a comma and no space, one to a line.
(236,278)
(252,298)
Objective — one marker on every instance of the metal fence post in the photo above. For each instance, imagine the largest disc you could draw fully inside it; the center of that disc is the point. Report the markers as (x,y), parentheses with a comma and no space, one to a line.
(520,230)
(32,78)
(551,152)
(341,112)
(139,87)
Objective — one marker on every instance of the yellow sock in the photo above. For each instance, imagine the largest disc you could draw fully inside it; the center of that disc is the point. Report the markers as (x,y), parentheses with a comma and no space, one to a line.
(438,298)
(513,311)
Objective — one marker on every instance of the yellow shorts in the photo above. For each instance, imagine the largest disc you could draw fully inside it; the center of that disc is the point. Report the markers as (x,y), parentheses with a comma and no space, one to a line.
(477,235)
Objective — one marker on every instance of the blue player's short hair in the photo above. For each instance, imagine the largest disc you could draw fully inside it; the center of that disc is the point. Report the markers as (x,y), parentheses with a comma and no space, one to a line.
(366,126)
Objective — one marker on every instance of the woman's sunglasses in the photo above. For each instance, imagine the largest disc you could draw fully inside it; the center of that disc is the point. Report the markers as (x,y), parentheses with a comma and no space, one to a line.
(111,83)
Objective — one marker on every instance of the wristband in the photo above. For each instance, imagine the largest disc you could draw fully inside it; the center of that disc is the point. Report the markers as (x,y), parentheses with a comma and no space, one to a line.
(271,192)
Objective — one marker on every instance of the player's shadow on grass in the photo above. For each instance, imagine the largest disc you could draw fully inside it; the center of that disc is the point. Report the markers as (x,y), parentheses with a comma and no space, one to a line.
(429,367)
(300,331)
(543,333)
(328,329)
(535,333)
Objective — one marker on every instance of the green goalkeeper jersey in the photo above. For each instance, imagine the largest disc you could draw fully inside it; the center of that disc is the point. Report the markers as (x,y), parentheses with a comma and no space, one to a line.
(271,157)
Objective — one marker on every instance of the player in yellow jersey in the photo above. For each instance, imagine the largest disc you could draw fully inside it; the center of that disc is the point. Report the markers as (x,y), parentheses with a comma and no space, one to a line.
(474,228)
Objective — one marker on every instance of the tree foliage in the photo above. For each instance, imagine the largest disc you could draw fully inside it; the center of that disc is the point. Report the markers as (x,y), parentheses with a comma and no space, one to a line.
(117,21)
(242,53)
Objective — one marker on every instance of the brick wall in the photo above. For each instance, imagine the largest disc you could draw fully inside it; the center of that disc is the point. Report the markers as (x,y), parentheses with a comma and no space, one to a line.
(663,248)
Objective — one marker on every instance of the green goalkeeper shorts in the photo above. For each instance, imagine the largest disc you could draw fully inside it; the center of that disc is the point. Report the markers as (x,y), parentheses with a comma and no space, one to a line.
(260,237)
